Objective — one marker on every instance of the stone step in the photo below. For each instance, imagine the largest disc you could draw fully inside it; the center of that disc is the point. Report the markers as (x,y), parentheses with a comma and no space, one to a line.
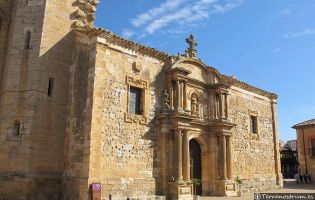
(232,193)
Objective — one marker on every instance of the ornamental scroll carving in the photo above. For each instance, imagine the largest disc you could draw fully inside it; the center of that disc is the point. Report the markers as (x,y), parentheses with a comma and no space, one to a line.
(85,14)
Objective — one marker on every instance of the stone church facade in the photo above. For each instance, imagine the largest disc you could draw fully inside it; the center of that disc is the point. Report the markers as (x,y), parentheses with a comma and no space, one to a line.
(81,105)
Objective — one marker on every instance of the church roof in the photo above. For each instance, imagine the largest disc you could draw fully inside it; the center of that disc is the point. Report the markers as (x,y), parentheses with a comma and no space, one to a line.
(110,36)
(231,80)
(307,123)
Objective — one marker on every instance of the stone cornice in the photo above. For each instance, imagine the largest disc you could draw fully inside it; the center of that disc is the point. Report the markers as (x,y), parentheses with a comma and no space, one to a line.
(167,58)
(233,81)
(128,44)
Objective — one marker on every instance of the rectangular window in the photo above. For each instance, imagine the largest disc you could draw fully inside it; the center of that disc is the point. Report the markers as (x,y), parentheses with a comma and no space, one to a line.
(17,126)
(313,147)
(50,87)
(28,40)
(253,124)
(135,101)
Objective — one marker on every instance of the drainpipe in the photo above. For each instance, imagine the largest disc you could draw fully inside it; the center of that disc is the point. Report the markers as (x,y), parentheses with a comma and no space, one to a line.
(306,171)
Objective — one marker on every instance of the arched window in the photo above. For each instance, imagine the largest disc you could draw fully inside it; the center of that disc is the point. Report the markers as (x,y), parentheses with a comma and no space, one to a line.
(28,40)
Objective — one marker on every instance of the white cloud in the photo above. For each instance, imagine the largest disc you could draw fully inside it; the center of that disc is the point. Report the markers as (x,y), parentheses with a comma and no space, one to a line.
(226,7)
(299,34)
(127,33)
(277,49)
(285,12)
(174,14)
(155,12)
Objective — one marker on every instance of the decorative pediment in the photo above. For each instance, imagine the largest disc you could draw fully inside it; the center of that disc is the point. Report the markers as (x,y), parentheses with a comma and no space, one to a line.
(195,69)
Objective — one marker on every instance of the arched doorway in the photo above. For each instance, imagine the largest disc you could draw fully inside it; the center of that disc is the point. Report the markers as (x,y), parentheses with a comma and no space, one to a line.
(195,165)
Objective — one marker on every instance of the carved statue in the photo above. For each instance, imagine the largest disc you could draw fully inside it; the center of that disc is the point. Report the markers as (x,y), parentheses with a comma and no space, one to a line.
(166,100)
(194,105)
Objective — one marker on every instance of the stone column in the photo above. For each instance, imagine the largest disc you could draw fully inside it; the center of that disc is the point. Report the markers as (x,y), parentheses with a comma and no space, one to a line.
(178,156)
(186,161)
(181,83)
(223,174)
(226,106)
(171,92)
(177,95)
(221,106)
(185,95)
(228,157)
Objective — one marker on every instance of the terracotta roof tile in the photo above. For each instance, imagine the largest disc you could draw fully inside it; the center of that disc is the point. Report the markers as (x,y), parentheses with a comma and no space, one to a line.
(310,122)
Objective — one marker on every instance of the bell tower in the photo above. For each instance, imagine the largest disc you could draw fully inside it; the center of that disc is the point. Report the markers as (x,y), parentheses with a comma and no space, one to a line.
(37,44)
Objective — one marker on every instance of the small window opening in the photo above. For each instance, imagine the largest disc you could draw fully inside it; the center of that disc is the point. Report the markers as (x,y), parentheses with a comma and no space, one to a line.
(313,147)
(253,124)
(135,101)
(17,126)
(50,87)
(28,40)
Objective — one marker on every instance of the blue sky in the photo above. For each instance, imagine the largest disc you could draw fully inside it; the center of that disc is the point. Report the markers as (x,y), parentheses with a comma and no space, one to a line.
(269,44)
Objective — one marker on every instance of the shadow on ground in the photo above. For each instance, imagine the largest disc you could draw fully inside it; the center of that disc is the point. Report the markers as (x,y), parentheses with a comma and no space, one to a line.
(289,186)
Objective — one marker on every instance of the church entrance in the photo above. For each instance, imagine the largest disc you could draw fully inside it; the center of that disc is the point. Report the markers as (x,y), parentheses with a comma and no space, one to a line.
(195,166)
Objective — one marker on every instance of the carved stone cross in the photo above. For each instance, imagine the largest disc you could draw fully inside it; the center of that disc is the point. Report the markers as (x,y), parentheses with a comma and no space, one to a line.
(191,50)
(191,42)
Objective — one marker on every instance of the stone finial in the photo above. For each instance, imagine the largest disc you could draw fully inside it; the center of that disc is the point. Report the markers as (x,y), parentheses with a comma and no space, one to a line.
(85,14)
(191,51)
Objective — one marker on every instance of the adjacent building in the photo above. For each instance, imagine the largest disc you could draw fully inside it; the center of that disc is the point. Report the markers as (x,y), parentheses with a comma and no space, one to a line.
(289,162)
(80,106)
(291,144)
(305,132)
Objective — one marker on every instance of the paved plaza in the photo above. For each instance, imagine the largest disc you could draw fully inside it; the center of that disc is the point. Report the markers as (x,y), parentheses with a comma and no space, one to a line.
(289,187)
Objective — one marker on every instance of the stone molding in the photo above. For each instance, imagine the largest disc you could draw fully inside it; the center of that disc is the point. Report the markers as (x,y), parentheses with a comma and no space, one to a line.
(233,81)
(131,118)
(139,83)
(142,84)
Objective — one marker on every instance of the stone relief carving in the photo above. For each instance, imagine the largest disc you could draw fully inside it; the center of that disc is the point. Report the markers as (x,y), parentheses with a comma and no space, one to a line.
(136,82)
(139,83)
(135,118)
(137,67)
